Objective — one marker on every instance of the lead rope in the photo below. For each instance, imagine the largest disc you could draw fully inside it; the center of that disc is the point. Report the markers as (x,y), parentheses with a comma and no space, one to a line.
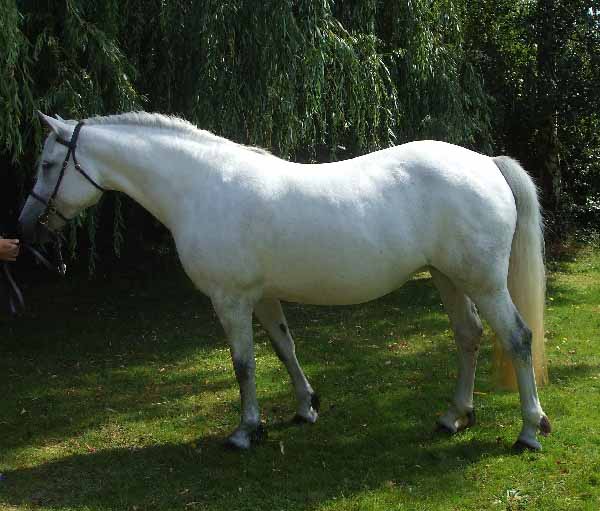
(16,302)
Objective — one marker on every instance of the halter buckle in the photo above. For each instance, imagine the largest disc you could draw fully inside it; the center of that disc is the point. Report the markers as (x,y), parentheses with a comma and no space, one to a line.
(44,218)
(50,210)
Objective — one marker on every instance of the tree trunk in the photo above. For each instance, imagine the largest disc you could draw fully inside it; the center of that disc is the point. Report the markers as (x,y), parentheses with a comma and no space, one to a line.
(547,145)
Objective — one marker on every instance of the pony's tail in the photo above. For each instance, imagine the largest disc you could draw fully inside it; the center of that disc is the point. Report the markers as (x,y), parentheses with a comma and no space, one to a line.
(526,274)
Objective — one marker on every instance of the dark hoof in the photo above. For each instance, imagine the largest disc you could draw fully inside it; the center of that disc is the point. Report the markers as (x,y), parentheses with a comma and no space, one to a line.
(471,421)
(315,402)
(298,419)
(462,424)
(545,426)
(242,439)
(259,434)
(443,429)
(228,445)
(520,446)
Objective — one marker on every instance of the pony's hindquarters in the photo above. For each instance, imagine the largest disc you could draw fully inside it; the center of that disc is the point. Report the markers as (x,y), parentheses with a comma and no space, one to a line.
(526,275)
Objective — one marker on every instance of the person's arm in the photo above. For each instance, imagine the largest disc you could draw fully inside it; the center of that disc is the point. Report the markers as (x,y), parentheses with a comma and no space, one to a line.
(9,249)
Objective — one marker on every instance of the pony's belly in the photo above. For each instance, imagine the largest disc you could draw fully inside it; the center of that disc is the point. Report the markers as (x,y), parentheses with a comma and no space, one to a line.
(336,287)
(329,296)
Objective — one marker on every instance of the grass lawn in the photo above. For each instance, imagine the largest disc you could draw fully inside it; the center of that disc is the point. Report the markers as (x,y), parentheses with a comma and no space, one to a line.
(117,393)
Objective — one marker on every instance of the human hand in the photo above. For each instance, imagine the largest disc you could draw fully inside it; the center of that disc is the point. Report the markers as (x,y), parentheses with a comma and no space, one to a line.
(9,249)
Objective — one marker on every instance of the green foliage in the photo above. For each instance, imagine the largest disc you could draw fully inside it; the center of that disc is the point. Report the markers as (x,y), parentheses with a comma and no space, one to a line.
(526,83)
(280,74)
(439,78)
(59,58)
(15,80)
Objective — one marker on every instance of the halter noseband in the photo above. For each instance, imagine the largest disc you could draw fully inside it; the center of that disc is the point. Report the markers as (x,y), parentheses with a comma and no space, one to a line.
(51,208)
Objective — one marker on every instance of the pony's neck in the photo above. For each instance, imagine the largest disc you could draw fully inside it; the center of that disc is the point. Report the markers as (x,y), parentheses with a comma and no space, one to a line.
(149,165)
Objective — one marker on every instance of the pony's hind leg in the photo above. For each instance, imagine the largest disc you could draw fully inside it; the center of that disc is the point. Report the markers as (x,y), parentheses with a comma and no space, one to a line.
(235,314)
(467,329)
(504,318)
(270,314)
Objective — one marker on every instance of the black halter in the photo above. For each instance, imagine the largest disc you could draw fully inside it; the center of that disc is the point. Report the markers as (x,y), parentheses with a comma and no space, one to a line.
(16,302)
(50,206)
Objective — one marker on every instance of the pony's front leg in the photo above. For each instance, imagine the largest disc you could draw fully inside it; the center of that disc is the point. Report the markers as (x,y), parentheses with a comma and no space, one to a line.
(236,317)
(270,314)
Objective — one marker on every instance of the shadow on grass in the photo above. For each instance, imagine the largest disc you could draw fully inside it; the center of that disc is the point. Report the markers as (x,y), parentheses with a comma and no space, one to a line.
(104,355)
(566,295)
(175,476)
(568,372)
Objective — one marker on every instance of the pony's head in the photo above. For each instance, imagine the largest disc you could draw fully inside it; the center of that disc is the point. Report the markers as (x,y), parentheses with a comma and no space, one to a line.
(66,183)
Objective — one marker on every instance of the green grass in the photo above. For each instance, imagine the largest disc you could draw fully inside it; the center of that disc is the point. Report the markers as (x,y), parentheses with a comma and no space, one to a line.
(116,394)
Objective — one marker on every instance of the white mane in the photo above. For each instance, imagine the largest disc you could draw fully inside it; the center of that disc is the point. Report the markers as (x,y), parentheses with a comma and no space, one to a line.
(166,122)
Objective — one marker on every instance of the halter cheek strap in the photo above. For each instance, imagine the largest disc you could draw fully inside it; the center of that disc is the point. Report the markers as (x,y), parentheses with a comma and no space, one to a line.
(49,203)
(72,145)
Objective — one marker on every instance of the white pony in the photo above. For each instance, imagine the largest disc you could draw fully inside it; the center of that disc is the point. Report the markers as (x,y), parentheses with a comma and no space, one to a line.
(252,229)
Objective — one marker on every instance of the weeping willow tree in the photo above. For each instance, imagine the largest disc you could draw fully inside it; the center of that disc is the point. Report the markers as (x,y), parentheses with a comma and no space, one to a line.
(58,57)
(281,74)
(309,80)
(440,92)
(318,79)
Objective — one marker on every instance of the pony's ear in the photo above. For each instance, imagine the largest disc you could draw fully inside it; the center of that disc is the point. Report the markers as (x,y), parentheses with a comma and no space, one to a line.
(58,126)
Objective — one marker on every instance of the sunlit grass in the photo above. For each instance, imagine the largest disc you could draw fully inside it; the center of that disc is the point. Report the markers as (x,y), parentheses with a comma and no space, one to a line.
(117,395)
